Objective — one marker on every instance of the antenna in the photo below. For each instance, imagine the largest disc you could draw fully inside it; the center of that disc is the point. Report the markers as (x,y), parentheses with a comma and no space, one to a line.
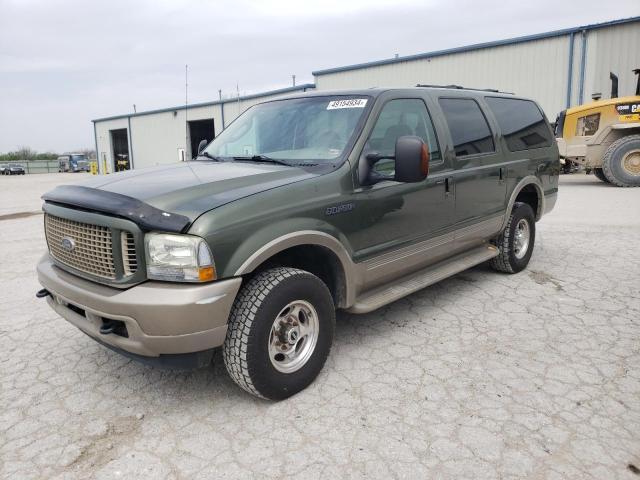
(186,108)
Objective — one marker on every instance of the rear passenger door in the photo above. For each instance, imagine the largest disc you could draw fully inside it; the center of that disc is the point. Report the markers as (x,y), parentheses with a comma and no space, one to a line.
(479,174)
(526,136)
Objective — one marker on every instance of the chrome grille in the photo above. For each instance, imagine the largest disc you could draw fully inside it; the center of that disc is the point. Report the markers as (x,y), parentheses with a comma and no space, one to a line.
(89,247)
(129,259)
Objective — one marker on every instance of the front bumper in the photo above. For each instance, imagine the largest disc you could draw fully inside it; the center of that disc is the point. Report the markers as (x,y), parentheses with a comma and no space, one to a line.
(160,318)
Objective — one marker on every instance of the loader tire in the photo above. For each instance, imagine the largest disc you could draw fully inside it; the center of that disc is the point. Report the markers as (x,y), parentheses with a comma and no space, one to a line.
(600,175)
(621,163)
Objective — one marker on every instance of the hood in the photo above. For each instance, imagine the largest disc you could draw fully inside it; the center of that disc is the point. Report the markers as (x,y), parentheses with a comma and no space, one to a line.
(186,189)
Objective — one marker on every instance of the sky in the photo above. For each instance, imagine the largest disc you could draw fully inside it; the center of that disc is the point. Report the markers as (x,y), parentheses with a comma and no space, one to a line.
(66,62)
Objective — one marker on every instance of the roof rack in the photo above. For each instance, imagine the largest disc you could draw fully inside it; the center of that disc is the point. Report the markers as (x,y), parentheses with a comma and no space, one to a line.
(460,87)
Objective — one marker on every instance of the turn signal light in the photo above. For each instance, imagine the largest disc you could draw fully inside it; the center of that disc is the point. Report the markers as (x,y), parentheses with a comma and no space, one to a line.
(206,274)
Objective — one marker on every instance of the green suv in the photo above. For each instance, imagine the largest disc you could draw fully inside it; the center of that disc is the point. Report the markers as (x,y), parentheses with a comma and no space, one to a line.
(332,200)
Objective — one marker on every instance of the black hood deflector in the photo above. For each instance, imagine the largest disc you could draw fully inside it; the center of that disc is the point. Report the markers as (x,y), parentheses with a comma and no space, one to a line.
(146,216)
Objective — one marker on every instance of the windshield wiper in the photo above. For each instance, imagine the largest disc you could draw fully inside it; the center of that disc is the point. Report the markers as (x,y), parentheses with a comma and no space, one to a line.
(261,158)
(211,157)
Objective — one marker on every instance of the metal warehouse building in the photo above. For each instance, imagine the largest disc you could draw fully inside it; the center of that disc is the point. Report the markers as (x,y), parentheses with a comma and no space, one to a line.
(559,69)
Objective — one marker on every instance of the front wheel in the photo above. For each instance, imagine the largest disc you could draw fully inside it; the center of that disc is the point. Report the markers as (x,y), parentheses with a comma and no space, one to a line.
(516,241)
(280,333)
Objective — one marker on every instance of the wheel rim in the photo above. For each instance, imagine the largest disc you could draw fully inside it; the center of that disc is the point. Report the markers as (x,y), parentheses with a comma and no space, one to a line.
(293,336)
(521,239)
(631,163)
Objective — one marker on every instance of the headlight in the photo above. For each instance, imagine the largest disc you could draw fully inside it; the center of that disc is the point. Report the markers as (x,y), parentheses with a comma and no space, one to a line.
(178,258)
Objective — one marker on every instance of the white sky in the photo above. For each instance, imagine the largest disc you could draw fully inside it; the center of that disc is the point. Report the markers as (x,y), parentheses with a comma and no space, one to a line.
(65,62)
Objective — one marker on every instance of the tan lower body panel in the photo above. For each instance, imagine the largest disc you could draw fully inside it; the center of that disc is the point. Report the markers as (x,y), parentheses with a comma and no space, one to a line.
(160,318)
(412,283)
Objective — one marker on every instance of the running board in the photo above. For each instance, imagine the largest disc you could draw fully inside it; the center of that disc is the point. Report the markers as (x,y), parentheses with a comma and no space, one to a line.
(404,286)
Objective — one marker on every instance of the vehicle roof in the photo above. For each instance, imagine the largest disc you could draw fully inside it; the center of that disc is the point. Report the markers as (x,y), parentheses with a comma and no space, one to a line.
(602,103)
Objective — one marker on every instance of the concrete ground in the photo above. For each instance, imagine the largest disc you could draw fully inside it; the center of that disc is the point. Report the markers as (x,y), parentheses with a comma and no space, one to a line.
(483,376)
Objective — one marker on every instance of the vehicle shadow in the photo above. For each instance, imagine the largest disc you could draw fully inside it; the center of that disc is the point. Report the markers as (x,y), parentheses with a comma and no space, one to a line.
(189,388)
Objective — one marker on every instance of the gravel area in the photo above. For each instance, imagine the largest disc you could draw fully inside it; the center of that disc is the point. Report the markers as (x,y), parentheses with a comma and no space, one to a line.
(482,376)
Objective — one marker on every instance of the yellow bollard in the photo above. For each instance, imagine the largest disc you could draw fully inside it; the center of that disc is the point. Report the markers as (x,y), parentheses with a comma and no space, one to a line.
(94,168)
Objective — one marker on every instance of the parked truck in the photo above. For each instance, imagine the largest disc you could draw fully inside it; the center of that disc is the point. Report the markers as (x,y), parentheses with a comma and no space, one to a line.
(322,201)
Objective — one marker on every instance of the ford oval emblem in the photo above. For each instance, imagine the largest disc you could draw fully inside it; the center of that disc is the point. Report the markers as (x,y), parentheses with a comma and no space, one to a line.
(68,244)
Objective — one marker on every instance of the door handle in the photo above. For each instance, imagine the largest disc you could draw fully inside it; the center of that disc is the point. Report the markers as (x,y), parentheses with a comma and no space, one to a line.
(447,185)
(501,177)
(447,182)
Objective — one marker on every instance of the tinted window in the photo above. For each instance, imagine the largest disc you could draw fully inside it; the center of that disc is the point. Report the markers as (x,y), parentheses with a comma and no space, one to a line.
(398,118)
(469,129)
(521,122)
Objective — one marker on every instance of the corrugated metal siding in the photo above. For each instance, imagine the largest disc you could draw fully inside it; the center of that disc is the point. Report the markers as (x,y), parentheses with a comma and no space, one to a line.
(537,69)
(617,50)
(157,137)
(233,109)
(575,84)
(103,139)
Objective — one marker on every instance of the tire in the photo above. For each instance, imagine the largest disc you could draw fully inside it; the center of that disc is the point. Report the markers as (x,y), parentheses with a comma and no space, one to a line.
(248,349)
(512,259)
(600,175)
(621,162)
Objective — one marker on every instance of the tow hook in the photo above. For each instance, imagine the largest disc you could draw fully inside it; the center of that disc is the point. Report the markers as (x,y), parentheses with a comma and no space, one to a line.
(108,327)
(43,293)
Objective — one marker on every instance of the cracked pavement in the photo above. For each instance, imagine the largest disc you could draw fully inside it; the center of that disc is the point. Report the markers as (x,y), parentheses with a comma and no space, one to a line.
(482,376)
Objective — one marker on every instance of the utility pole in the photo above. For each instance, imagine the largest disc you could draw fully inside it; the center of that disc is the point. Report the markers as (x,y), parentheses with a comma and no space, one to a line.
(186,110)
(221,108)
(134,108)
(294,80)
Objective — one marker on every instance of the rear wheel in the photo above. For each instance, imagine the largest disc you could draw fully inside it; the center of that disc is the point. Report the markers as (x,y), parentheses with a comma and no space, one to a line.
(516,241)
(600,175)
(280,333)
(621,163)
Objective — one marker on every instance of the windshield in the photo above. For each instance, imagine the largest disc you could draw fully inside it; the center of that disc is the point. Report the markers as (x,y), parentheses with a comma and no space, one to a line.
(312,129)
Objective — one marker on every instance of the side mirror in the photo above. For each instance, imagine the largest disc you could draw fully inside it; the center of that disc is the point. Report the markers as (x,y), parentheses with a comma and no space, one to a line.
(410,163)
(202,145)
(412,159)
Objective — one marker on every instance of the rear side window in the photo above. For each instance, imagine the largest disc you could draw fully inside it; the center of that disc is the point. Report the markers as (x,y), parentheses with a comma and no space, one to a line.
(469,129)
(521,122)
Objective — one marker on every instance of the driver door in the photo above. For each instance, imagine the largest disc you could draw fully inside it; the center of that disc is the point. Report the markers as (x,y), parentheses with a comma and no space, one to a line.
(405,224)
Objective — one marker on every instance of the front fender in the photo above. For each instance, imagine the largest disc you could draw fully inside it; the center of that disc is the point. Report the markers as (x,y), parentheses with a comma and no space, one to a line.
(273,239)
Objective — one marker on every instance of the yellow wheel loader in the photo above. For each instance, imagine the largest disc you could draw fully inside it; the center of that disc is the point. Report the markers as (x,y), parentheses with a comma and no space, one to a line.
(604,136)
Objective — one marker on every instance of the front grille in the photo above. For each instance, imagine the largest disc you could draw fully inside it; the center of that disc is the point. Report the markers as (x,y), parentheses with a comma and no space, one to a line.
(89,248)
(129,259)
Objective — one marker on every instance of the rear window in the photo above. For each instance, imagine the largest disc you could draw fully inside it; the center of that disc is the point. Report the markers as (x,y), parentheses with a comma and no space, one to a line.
(521,122)
(469,129)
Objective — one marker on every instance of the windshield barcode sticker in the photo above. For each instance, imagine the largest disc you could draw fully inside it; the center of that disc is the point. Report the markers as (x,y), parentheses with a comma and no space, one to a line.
(348,103)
